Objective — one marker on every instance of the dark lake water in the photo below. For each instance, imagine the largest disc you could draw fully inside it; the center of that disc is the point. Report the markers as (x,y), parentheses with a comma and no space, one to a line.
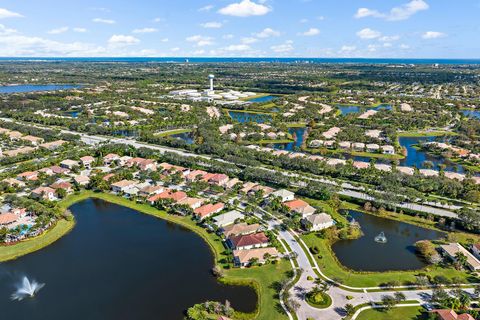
(364,254)
(185,136)
(34,87)
(250,117)
(118,264)
(347,109)
(298,137)
(262,99)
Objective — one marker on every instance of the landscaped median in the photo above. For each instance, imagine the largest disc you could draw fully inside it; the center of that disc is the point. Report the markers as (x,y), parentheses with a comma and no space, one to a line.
(265,279)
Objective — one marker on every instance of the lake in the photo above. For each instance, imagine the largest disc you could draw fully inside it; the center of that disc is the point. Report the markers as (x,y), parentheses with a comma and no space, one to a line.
(472,113)
(185,136)
(243,117)
(34,87)
(118,264)
(364,254)
(298,135)
(262,99)
(347,109)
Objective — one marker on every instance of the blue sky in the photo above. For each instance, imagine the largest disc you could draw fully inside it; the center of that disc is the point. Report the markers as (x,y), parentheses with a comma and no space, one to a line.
(263,28)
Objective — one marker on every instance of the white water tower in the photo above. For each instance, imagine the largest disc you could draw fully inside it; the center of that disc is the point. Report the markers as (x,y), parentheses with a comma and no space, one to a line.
(211,77)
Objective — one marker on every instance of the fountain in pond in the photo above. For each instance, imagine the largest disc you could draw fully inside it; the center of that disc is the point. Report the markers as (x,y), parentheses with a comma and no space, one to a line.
(27,289)
(381,238)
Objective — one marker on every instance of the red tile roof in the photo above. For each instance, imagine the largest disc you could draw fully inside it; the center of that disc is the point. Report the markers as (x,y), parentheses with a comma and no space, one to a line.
(296,204)
(249,239)
(208,209)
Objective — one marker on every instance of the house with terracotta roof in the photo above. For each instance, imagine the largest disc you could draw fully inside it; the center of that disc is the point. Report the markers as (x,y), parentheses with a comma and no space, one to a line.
(301,207)
(32,139)
(47,171)
(193,203)
(243,258)
(110,158)
(247,186)
(62,185)
(16,152)
(175,196)
(446,314)
(28,176)
(219,179)
(45,193)
(82,180)
(195,175)
(14,135)
(87,161)
(59,170)
(7,219)
(232,183)
(248,241)
(208,210)
(240,229)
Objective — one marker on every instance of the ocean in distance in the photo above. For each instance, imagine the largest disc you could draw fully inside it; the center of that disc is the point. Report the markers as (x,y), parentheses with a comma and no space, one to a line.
(245,60)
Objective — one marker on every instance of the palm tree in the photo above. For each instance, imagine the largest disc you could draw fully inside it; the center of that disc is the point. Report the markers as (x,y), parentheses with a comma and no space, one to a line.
(460,260)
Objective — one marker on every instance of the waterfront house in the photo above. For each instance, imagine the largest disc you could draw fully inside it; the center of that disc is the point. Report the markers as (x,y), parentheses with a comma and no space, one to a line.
(372,147)
(87,161)
(45,193)
(240,229)
(122,186)
(82,180)
(208,210)
(110,158)
(284,195)
(358,146)
(243,258)
(7,219)
(248,241)
(69,164)
(228,218)
(344,145)
(452,249)
(317,222)
(387,149)
(193,203)
(149,191)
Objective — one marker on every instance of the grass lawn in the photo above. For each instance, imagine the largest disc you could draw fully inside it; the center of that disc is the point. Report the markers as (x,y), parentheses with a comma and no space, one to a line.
(272,141)
(263,279)
(172,132)
(433,133)
(400,313)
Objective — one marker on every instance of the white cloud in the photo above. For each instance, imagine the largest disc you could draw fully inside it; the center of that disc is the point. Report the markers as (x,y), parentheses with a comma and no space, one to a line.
(368,33)
(402,12)
(267,33)
(433,35)
(199,52)
(310,32)
(4,31)
(206,8)
(80,30)
(120,40)
(175,49)
(58,30)
(228,36)
(245,8)
(211,25)
(321,18)
(105,21)
(389,38)
(238,47)
(164,40)
(200,41)
(404,46)
(303,20)
(282,48)
(4,13)
(157,20)
(145,30)
(249,40)
(347,49)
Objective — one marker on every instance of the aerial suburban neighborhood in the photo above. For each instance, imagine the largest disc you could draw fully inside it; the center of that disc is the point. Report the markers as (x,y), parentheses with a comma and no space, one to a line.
(246,172)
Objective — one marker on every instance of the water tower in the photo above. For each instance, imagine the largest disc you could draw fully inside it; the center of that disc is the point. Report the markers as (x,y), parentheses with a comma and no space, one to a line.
(211,77)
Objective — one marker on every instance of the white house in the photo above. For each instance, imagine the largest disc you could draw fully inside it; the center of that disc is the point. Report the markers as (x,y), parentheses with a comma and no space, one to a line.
(319,221)
(284,195)
(228,218)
